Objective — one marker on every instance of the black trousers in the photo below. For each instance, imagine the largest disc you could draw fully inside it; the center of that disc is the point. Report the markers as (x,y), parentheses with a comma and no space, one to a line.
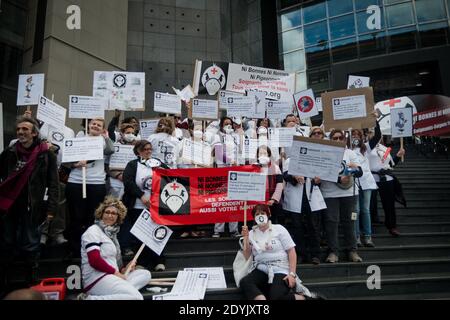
(386,191)
(255,284)
(81,211)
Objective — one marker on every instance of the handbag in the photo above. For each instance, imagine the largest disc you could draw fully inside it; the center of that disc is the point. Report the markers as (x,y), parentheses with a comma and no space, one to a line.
(241,266)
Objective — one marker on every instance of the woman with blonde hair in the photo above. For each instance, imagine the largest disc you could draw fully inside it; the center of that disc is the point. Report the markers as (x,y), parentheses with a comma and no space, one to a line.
(103,273)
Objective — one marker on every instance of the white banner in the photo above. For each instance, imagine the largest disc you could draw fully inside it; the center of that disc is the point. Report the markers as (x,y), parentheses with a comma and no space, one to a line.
(246,186)
(189,282)
(51,113)
(278,109)
(401,122)
(122,155)
(167,103)
(205,109)
(82,149)
(153,235)
(216,277)
(223,98)
(306,104)
(30,88)
(240,107)
(81,107)
(349,107)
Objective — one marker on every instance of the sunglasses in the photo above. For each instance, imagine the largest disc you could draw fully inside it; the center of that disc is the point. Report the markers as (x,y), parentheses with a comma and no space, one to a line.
(340,138)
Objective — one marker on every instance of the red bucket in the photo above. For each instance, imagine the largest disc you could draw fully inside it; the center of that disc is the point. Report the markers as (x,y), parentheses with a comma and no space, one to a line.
(53,288)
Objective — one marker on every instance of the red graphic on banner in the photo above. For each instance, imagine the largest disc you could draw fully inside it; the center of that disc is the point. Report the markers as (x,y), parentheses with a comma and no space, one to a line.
(435,122)
(196,196)
(305,104)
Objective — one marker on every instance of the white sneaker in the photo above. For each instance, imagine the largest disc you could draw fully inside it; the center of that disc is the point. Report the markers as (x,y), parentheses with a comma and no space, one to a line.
(160,267)
(59,239)
(216,235)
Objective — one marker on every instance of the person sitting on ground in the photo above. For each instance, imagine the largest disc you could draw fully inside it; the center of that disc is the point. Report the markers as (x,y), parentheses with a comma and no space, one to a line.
(103,276)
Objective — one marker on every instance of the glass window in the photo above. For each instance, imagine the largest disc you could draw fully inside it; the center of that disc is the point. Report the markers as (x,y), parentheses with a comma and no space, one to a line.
(342,27)
(372,44)
(337,7)
(292,39)
(316,33)
(448,7)
(434,34)
(343,50)
(318,56)
(429,10)
(319,80)
(403,39)
(400,15)
(364,4)
(301,83)
(287,3)
(361,20)
(294,61)
(314,12)
(393,1)
(291,20)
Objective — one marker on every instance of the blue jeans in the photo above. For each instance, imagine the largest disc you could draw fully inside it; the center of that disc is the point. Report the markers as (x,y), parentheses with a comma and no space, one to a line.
(363,213)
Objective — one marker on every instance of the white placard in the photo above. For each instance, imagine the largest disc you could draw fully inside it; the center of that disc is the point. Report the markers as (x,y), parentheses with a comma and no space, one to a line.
(309,159)
(355,82)
(154,236)
(281,137)
(30,88)
(205,109)
(189,282)
(250,148)
(240,107)
(319,104)
(306,104)
(223,98)
(246,186)
(167,103)
(79,149)
(122,155)
(384,109)
(401,122)
(349,107)
(51,113)
(148,127)
(260,104)
(81,107)
(278,109)
(216,277)
(197,152)
(186,94)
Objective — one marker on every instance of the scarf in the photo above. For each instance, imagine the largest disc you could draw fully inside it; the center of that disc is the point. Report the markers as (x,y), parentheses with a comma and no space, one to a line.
(11,188)
(111,232)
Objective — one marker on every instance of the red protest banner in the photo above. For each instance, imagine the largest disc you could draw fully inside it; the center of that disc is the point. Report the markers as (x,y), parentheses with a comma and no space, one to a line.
(196,196)
(435,122)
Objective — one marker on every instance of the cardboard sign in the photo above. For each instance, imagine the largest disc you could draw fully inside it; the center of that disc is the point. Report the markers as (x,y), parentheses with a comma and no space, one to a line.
(240,107)
(30,88)
(167,103)
(246,186)
(51,113)
(148,127)
(204,109)
(401,122)
(346,109)
(154,236)
(121,156)
(316,158)
(278,109)
(306,104)
(79,149)
(81,107)
(223,98)
(355,82)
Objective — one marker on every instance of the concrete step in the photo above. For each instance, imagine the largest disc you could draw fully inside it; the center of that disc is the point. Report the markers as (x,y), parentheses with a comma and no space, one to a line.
(415,227)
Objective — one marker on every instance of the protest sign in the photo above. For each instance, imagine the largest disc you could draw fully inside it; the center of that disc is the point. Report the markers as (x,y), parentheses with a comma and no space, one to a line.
(81,107)
(191,282)
(355,82)
(167,103)
(316,158)
(51,113)
(197,152)
(278,109)
(247,186)
(153,235)
(216,277)
(121,156)
(240,107)
(319,104)
(148,127)
(186,94)
(346,109)
(210,77)
(434,122)
(204,109)
(250,148)
(384,111)
(195,196)
(281,137)
(79,149)
(306,104)
(260,104)
(29,89)
(223,98)
(401,122)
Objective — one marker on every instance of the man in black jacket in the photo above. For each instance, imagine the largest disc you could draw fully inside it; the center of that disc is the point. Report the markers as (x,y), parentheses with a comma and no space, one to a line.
(28,196)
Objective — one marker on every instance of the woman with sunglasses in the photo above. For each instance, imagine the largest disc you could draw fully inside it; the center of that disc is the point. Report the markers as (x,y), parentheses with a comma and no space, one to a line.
(340,198)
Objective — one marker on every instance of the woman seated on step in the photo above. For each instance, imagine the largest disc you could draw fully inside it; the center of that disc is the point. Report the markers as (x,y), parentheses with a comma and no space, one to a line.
(273,274)
(101,260)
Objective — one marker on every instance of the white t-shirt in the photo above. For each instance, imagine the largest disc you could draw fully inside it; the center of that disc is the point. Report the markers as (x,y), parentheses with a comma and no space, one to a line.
(56,137)
(144,177)
(367,181)
(331,189)
(166,148)
(95,239)
(377,163)
(271,245)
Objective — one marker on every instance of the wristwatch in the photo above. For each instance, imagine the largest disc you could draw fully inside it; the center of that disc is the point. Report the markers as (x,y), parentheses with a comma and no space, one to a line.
(293,274)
